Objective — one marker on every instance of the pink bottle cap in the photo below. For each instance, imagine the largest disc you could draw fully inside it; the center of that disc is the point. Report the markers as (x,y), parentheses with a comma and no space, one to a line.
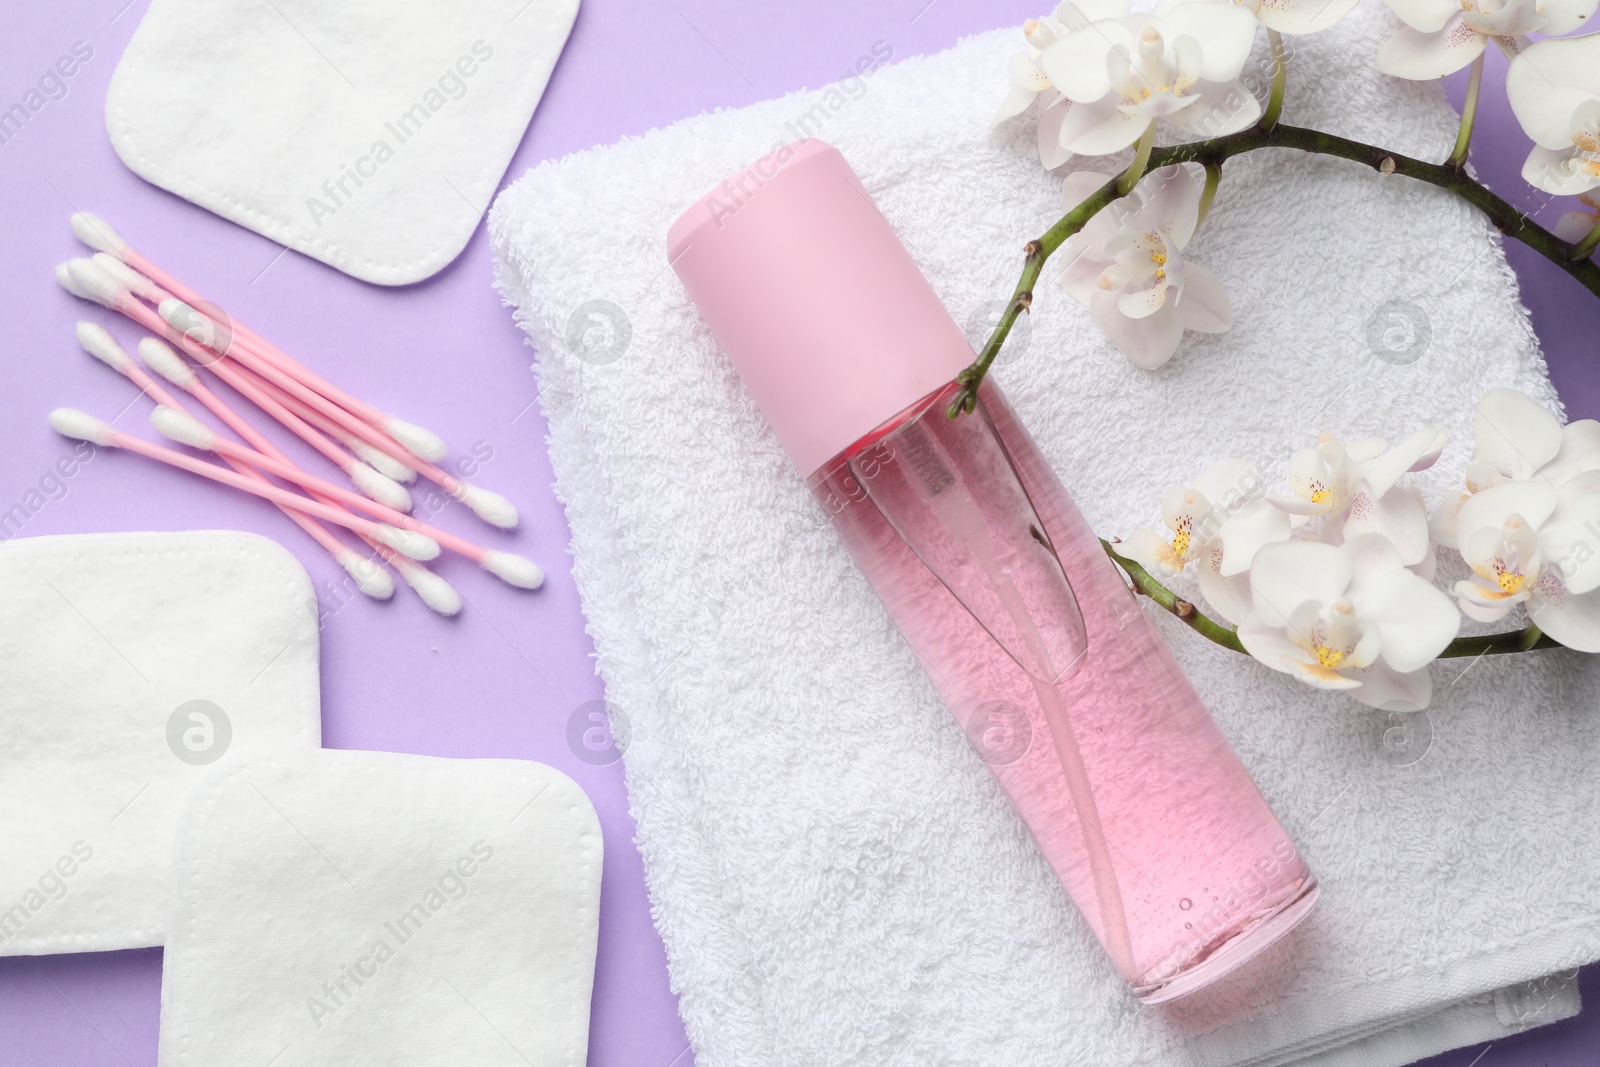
(821,308)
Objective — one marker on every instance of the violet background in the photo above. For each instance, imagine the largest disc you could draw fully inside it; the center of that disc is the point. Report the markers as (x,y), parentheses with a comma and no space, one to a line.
(505,678)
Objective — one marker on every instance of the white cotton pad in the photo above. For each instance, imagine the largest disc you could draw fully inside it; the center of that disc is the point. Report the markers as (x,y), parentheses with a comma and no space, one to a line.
(366,907)
(131,665)
(369,134)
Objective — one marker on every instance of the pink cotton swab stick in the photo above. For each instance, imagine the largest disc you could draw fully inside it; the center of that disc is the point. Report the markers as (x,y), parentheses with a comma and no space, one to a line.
(198,327)
(185,429)
(434,591)
(89,281)
(369,577)
(69,422)
(379,461)
(99,235)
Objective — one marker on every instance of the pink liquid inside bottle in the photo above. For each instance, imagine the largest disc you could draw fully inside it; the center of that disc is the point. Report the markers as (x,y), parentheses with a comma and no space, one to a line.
(1144,812)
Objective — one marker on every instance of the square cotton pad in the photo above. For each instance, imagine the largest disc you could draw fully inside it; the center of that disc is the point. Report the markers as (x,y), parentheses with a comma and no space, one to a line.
(366,907)
(369,134)
(130,665)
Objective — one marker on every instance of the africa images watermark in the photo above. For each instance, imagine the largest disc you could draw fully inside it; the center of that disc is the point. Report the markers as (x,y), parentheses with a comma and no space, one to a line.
(50,86)
(50,487)
(736,191)
(50,886)
(450,887)
(452,85)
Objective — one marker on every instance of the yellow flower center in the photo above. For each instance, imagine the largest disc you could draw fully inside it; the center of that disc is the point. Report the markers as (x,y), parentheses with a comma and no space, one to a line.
(1320,494)
(1329,657)
(1183,537)
(1509,581)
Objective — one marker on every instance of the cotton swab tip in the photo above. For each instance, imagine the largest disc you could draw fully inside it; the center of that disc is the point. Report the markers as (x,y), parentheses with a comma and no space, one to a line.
(97,283)
(65,280)
(380,460)
(369,577)
(514,569)
(97,233)
(81,426)
(386,491)
(160,358)
(182,428)
(415,545)
(415,439)
(492,508)
(137,283)
(196,325)
(435,592)
(98,342)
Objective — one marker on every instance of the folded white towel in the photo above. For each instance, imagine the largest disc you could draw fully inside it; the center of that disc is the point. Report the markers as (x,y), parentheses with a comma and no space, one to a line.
(836,877)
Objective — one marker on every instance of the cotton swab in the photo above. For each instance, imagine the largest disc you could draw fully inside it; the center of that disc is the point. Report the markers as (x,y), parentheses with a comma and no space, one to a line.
(92,282)
(370,579)
(379,461)
(171,366)
(197,326)
(509,567)
(167,363)
(434,591)
(489,506)
(69,422)
(98,234)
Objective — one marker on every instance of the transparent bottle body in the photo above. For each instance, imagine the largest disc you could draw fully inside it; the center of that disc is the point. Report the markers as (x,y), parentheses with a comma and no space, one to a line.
(1132,793)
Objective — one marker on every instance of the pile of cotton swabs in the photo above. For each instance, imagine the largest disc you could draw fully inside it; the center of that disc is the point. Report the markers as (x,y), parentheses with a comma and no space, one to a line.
(374,450)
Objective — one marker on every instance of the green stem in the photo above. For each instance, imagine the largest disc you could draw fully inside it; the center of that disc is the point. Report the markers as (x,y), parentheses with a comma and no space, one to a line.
(1191,615)
(1208,193)
(1529,639)
(1280,78)
(1583,249)
(1141,158)
(1507,219)
(1469,115)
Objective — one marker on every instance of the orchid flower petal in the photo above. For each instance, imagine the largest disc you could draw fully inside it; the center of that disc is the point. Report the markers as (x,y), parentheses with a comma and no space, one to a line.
(1148,342)
(1225,35)
(1227,596)
(1571,618)
(1387,689)
(1203,304)
(1306,16)
(1534,501)
(1428,16)
(1099,128)
(1548,81)
(1287,574)
(1513,434)
(1424,56)
(1244,535)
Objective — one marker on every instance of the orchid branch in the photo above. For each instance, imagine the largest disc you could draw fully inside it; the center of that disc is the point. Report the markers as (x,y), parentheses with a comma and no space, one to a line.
(1506,218)
(1528,639)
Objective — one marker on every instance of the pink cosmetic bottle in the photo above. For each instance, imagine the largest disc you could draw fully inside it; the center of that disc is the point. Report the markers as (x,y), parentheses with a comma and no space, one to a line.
(1135,798)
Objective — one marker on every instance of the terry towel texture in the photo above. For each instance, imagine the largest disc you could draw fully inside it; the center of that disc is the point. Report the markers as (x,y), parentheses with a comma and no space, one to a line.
(836,876)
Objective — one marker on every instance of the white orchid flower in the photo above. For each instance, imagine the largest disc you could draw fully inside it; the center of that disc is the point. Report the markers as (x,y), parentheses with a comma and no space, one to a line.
(1442,36)
(1517,440)
(1352,486)
(1348,617)
(1554,89)
(1221,519)
(1534,544)
(1126,266)
(1123,71)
